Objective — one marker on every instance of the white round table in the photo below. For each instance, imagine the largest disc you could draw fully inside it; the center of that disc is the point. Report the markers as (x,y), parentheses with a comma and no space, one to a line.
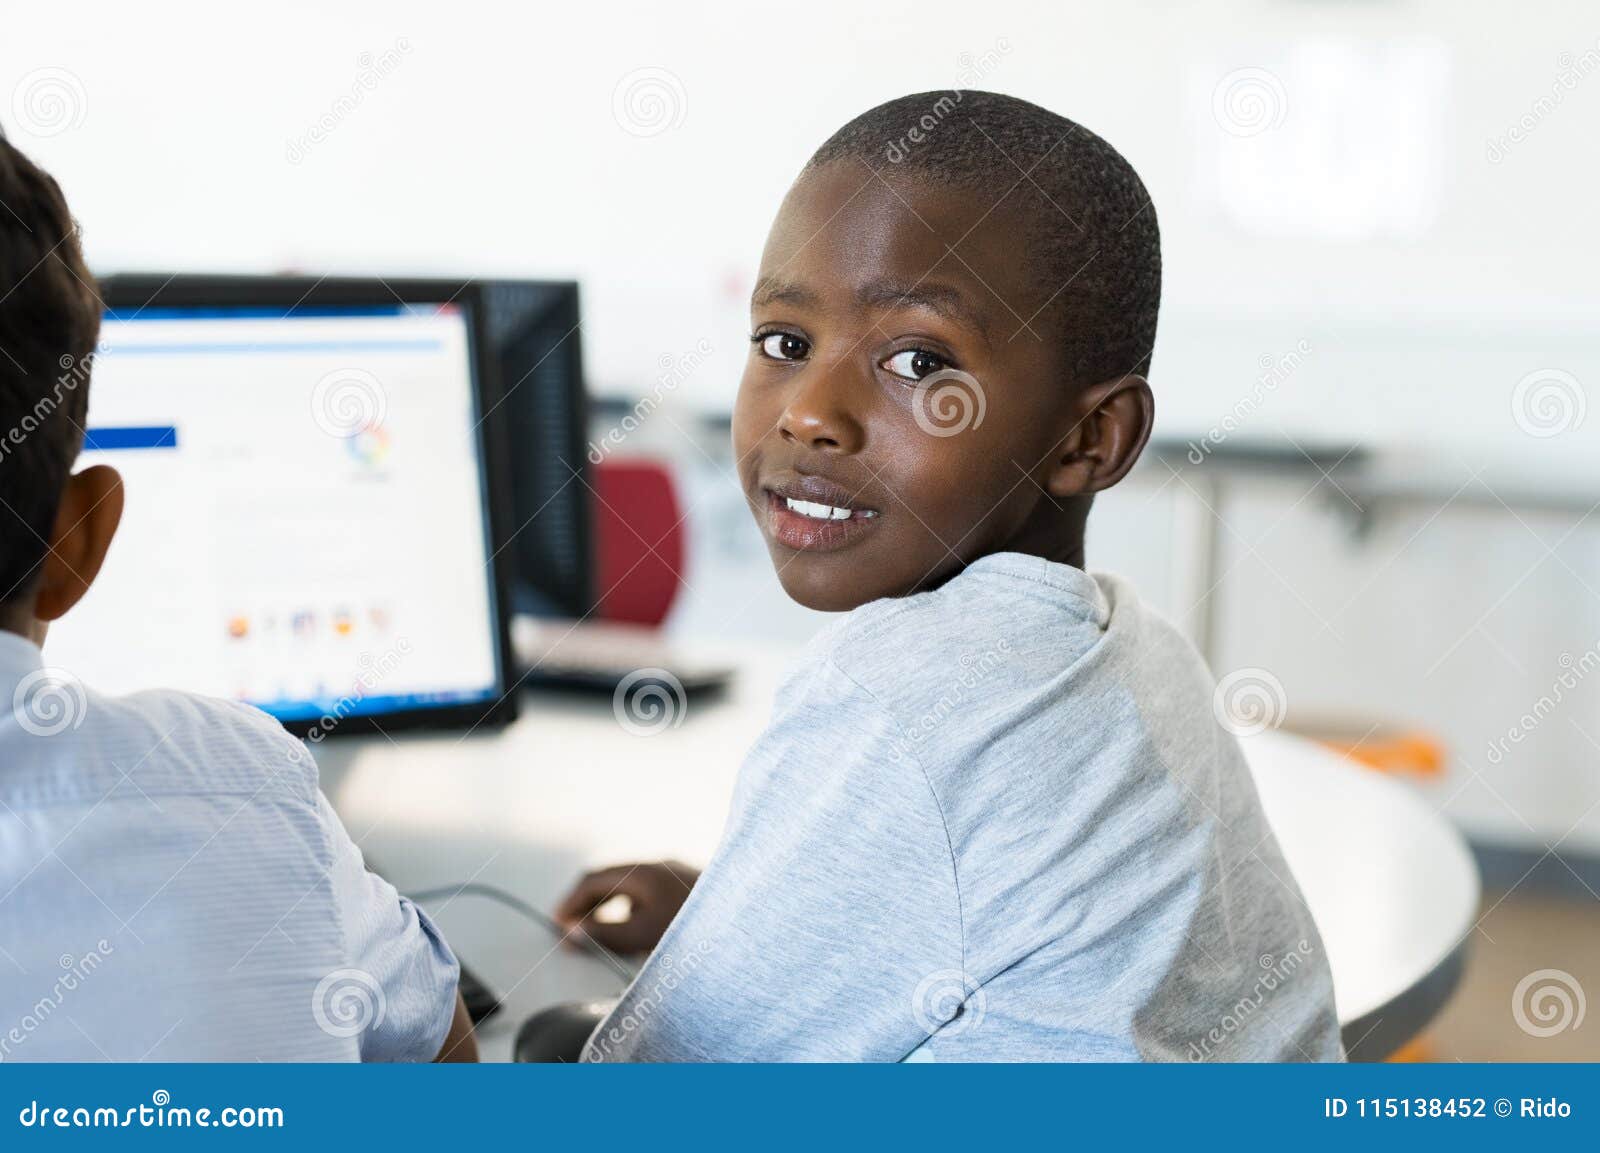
(1391,885)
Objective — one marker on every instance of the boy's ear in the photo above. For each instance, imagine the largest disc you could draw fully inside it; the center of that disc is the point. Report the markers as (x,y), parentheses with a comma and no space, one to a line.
(91,509)
(1111,422)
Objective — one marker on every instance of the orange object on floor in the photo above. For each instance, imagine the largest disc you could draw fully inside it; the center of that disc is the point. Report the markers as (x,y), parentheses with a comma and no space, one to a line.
(1414,1052)
(1414,753)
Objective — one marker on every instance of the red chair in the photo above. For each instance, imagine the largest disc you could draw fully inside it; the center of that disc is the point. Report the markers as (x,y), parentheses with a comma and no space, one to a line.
(638,541)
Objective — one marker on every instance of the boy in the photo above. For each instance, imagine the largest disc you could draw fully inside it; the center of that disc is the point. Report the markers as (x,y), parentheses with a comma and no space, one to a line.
(993,815)
(173,884)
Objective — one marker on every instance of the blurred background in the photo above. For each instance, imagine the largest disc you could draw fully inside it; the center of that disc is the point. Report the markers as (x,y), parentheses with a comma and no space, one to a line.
(1375,475)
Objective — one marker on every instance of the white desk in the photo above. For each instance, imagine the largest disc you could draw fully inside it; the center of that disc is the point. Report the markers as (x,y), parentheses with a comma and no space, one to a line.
(566,788)
(1391,884)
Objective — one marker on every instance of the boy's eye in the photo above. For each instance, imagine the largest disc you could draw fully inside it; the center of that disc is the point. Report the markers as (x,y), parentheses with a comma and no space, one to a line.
(784,346)
(915,363)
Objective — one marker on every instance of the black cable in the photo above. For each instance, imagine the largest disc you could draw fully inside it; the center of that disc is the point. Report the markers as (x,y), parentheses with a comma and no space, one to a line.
(477,889)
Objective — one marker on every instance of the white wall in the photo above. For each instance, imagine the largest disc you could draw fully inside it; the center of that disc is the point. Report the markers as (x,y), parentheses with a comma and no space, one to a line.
(491,144)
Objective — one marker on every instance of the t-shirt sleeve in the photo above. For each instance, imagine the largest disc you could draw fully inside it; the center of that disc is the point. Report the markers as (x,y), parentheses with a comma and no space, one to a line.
(827,926)
(400,984)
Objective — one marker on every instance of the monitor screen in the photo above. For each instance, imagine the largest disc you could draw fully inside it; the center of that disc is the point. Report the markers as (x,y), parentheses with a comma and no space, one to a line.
(307,524)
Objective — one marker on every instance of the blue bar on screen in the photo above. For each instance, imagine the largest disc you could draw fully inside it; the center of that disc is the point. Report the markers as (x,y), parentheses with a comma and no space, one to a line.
(129,437)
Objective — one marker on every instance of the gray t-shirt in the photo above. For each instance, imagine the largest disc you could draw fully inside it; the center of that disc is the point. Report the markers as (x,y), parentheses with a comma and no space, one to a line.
(996,821)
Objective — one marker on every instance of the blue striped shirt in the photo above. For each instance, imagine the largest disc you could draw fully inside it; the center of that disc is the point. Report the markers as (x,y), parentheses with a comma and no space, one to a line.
(174,886)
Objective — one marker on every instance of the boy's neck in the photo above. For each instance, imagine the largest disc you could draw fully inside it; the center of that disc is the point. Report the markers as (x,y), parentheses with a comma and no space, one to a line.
(21,623)
(1061,552)
(1071,554)
(1055,532)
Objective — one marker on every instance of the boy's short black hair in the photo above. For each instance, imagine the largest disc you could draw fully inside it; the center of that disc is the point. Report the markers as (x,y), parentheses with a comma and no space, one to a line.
(1092,229)
(49,323)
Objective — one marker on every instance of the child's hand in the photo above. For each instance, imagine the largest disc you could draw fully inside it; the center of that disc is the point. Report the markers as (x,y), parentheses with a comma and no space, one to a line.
(654,894)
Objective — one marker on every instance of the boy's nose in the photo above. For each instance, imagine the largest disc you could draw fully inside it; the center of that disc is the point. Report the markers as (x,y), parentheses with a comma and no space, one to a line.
(818,414)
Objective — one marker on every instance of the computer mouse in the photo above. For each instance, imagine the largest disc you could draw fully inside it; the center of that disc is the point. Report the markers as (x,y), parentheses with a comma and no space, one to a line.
(557,1034)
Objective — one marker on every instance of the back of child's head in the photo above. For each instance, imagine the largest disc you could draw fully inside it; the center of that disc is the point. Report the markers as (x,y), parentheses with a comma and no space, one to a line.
(49,323)
(1090,227)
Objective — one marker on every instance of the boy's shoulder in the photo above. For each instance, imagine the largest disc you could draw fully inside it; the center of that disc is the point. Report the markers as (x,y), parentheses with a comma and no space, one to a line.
(229,746)
(160,741)
(1004,616)
(1022,653)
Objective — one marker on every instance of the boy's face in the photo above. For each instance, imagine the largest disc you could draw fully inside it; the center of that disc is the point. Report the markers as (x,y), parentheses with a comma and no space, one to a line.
(868,292)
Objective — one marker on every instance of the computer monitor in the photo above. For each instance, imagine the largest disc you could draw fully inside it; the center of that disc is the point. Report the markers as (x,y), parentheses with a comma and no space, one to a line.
(314,522)
(535,339)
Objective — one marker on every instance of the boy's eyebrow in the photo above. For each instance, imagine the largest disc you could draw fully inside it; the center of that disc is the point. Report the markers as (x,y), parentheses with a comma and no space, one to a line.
(769,291)
(949,302)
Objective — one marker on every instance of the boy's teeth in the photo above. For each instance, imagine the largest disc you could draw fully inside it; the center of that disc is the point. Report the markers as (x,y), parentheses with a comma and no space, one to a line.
(816,511)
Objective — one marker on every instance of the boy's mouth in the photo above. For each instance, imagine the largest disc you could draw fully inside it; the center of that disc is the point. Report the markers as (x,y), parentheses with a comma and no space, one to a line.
(812,514)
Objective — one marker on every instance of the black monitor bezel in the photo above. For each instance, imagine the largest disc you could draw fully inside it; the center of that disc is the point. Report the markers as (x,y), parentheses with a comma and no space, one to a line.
(128,293)
(566,309)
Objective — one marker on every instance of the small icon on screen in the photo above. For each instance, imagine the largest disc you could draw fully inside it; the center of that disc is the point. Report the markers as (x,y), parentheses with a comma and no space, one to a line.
(369,446)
